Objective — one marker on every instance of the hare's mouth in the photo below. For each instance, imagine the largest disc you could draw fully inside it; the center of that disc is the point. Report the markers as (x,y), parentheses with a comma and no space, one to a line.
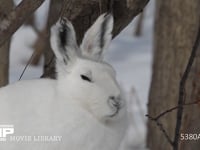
(115,105)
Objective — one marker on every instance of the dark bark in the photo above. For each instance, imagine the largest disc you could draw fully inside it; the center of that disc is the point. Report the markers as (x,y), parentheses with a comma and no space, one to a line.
(83,13)
(4,63)
(5,8)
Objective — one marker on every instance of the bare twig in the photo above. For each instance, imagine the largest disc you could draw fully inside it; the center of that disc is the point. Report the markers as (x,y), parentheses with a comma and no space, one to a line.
(29,62)
(182,89)
(161,128)
(156,119)
(173,108)
(17,17)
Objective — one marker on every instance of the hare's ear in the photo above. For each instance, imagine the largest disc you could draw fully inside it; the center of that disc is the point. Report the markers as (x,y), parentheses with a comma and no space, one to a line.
(63,42)
(98,37)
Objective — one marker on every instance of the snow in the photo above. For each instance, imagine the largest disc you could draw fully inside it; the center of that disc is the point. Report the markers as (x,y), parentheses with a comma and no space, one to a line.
(130,56)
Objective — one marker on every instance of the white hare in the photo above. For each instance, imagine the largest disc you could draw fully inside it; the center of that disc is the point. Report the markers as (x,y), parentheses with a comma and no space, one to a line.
(84,105)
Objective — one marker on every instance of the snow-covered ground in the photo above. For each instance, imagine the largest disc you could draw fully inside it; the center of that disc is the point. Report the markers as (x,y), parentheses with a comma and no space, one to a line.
(130,56)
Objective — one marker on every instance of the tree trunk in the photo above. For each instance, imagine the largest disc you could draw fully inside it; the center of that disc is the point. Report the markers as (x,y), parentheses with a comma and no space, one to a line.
(191,121)
(5,7)
(176,25)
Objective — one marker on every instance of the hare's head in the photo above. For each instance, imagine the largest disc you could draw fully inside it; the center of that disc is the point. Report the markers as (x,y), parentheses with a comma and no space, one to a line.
(83,76)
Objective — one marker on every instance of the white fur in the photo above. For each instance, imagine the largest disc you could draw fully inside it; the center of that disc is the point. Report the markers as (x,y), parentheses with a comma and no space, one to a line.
(76,109)
(91,40)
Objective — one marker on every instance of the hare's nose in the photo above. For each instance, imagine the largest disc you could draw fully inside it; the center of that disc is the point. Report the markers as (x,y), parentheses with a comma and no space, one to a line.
(114,101)
(115,98)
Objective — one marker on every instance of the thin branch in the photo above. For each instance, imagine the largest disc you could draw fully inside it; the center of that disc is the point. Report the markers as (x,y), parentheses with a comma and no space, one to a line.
(29,62)
(156,119)
(182,93)
(161,128)
(173,108)
(17,17)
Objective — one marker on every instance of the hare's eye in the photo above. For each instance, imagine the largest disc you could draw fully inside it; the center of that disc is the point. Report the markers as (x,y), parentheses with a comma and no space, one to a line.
(86,78)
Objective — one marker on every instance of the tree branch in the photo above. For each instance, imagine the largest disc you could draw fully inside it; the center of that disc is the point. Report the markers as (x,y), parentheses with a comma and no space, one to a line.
(11,22)
(171,109)
(83,13)
(160,125)
(156,119)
